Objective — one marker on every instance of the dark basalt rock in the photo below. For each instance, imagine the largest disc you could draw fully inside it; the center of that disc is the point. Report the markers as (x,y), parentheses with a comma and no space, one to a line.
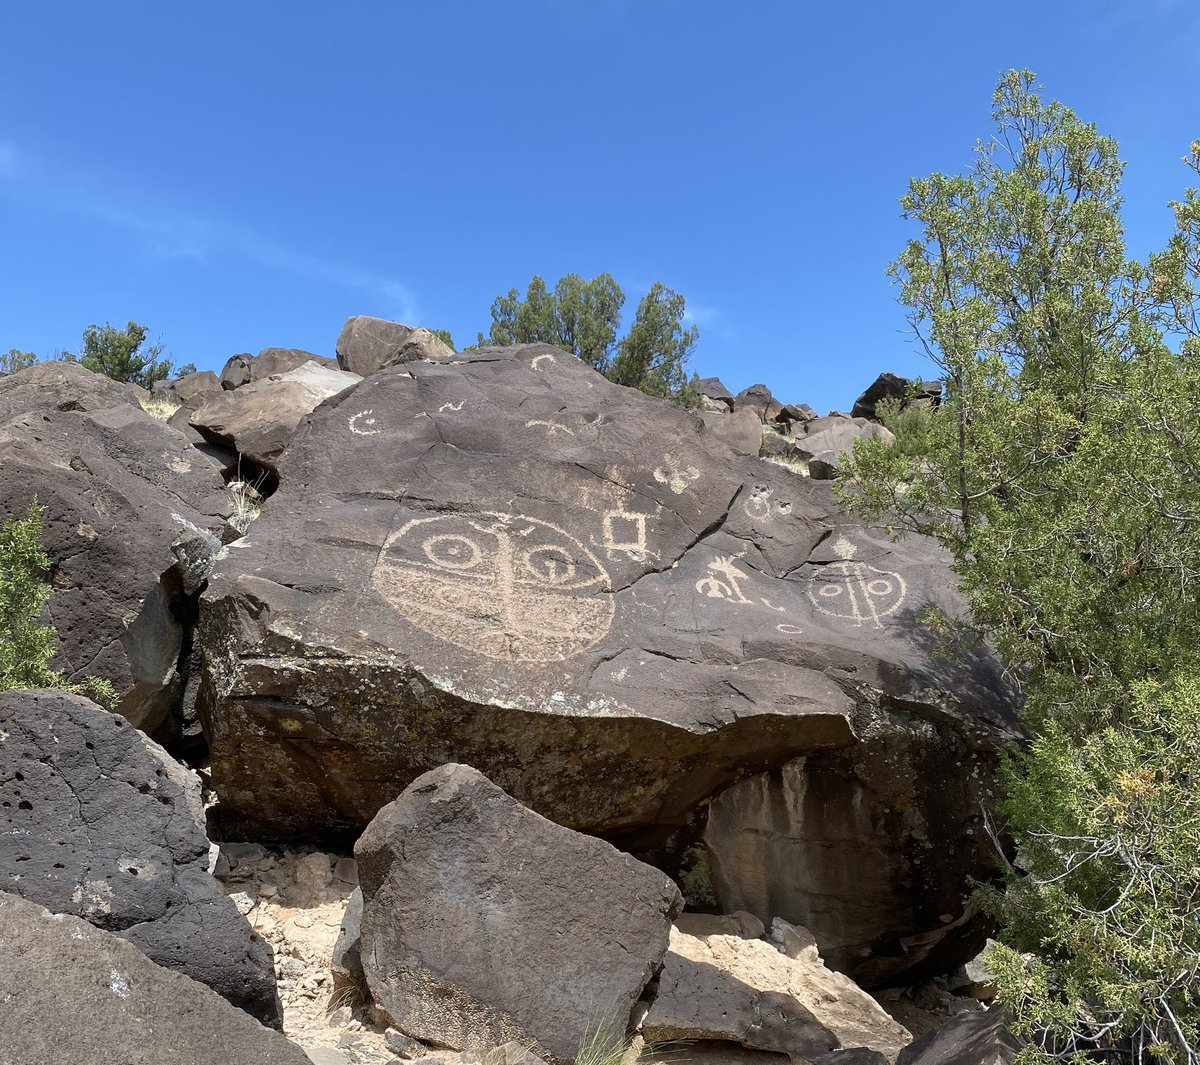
(94,824)
(504,559)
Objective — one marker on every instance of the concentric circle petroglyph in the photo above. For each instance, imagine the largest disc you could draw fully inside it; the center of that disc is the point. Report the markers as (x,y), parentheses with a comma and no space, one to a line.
(502,585)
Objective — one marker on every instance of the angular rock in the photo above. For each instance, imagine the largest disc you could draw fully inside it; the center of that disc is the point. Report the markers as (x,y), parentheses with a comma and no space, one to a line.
(758,398)
(63,386)
(366,345)
(242,370)
(76,995)
(825,439)
(119,488)
(92,824)
(977,1037)
(792,417)
(892,386)
(741,431)
(715,396)
(346,961)
(485,923)
(505,560)
(258,420)
(745,991)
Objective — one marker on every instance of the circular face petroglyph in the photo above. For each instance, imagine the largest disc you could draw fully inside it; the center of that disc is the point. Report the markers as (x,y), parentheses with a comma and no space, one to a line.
(501,585)
(855,591)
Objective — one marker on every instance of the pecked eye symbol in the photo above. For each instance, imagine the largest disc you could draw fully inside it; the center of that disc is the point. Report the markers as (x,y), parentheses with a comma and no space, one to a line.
(453,551)
(551,565)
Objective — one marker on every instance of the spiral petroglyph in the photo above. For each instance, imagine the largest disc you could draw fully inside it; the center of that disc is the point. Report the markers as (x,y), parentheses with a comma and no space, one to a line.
(502,585)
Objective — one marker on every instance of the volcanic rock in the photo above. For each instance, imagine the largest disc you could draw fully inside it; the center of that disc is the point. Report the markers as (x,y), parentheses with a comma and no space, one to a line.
(242,370)
(758,398)
(92,824)
(119,488)
(975,1037)
(892,386)
(726,987)
(504,559)
(741,431)
(76,995)
(485,923)
(367,345)
(825,439)
(714,395)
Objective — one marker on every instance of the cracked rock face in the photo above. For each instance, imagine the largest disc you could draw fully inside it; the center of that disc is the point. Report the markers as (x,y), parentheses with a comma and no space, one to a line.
(505,560)
(94,824)
(118,488)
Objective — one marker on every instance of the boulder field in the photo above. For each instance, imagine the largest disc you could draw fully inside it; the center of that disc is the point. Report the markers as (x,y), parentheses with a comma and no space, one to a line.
(537,648)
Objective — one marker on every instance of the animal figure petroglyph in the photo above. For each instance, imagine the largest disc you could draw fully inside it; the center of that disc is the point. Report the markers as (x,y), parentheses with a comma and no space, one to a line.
(856,591)
(723,580)
(364,424)
(552,428)
(451,406)
(505,586)
(675,475)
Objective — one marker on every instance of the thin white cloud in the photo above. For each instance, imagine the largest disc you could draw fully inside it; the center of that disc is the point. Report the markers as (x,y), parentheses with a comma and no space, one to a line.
(700,314)
(178,235)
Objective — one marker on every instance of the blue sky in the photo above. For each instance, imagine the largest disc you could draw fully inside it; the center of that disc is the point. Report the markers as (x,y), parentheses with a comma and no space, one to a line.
(247,175)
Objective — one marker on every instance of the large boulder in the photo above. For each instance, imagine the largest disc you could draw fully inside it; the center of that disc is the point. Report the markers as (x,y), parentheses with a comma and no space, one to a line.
(758,398)
(484,923)
(244,369)
(120,490)
(745,991)
(741,431)
(504,559)
(94,824)
(258,420)
(974,1037)
(367,345)
(825,440)
(714,396)
(892,386)
(76,995)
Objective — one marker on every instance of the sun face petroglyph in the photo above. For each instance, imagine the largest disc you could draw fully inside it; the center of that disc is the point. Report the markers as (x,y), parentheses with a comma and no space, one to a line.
(364,424)
(856,591)
(502,585)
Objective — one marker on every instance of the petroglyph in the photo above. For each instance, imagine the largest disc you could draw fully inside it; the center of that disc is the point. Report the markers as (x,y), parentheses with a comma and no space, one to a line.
(552,428)
(856,591)
(760,506)
(675,475)
(767,603)
(789,630)
(625,531)
(723,580)
(502,585)
(538,359)
(364,424)
(451,406)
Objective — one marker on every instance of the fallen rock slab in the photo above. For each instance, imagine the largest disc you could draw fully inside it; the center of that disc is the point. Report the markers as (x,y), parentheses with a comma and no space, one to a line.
(76,995)
(484,923)
(94,824)
(974,1037)
(745,991)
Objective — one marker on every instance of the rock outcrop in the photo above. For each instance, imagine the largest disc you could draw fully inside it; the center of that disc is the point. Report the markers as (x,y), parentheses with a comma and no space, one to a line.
(484,923)
(119,489)
(244,369)
(368,345)
(505,560)
(822,441)
(95,824)
(76,995)
(892,386)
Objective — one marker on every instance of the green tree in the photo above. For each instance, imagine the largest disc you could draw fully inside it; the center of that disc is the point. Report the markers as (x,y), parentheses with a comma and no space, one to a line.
(13,360)
(1062,471)
(444,336)
(26,644)
(584,318)
(119,354)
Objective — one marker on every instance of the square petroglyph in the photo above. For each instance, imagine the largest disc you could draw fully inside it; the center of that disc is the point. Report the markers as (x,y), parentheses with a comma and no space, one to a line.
(505,586)
(856,591)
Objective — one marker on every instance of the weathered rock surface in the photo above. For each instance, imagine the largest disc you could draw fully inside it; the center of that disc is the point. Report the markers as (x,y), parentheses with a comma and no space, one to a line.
(485,923)
(76,995)
(892,386)
(367,345)
(742,431)
(93,824)
(119,488)
(505,560)
(242,370)
(745,991)
(976,1037)
(258,420)
(715,396)
(825,439)
(758,398)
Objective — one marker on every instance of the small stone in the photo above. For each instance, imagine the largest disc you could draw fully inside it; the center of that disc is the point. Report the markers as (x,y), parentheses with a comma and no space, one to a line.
(313,872)
(243,854)
(340,1017)
(751,927)
(244,901)
(291,968)
(401,1045)
(346,871)
(327,1056)
(267,891)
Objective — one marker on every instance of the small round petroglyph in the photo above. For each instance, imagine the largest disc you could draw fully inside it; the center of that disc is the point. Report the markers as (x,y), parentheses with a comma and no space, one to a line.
(501,585)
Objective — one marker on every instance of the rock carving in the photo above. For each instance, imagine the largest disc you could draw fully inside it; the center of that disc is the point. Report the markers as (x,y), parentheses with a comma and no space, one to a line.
(675,475)
(856,591)
(625,531)
(363,423)
(502,585)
